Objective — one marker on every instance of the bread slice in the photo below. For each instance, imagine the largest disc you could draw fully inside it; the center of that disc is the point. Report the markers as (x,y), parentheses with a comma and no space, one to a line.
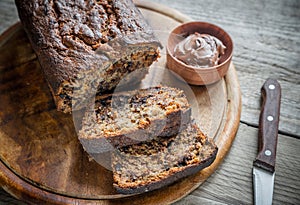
(86,45)
(151,165)
(134,116)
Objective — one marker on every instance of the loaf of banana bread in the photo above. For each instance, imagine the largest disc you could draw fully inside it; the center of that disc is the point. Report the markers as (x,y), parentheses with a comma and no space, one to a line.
(151,165)
(131,117)
(86,46)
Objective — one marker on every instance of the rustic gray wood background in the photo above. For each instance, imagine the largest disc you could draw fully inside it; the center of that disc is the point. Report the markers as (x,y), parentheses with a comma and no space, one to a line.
(266,37)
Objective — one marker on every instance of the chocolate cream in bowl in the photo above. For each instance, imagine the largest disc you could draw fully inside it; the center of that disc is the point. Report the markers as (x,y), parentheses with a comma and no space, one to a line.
(199,50)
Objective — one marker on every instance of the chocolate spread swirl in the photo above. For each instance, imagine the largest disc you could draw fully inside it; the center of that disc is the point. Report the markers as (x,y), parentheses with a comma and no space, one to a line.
(199,50)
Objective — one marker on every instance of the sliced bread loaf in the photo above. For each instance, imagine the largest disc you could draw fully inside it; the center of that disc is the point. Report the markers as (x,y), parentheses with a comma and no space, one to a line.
(151,165)
(86,45)
(131,117)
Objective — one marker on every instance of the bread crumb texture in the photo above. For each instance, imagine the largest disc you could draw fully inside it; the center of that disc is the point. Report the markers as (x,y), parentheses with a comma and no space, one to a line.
(145,163)
(138,114)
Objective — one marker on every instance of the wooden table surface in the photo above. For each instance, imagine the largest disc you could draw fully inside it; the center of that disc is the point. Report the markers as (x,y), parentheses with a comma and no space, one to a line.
(266,36)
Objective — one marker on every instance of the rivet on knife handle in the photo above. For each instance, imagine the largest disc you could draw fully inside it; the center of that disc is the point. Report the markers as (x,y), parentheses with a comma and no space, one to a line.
(268,125)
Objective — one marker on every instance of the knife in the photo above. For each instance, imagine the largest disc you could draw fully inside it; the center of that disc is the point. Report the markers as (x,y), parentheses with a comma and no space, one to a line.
(264,164)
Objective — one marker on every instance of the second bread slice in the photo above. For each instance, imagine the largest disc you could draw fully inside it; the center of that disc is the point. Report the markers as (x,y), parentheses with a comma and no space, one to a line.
(151,165)
(134,116)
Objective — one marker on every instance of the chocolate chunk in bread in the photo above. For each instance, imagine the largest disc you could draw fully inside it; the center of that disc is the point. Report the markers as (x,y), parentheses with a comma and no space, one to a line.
(131,117)
(86,45)
(151,165)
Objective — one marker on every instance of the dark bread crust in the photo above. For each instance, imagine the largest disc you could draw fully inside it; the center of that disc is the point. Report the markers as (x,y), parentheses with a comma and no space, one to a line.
(172,122)
(152,165)
(73,39)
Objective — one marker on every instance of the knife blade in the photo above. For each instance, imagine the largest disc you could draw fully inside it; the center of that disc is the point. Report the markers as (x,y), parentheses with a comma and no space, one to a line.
(264,163)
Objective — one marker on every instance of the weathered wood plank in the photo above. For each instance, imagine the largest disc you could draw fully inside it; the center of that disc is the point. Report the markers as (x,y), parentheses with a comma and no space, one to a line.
(266,36)
(232,182)
(32,151)
(8,14)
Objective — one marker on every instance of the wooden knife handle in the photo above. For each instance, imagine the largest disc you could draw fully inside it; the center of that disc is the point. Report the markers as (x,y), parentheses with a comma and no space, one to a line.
(268,125)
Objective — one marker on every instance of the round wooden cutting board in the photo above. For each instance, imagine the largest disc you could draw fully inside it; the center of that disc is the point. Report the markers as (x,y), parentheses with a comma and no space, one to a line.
(41,159)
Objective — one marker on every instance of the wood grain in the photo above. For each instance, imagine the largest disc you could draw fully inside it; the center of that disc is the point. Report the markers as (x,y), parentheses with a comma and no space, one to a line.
(8,13)
(232,182)
(43,161)
(266,44)
(266,37)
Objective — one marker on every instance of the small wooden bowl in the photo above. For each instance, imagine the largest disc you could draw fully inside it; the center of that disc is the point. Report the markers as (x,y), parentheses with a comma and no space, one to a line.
(195,75)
